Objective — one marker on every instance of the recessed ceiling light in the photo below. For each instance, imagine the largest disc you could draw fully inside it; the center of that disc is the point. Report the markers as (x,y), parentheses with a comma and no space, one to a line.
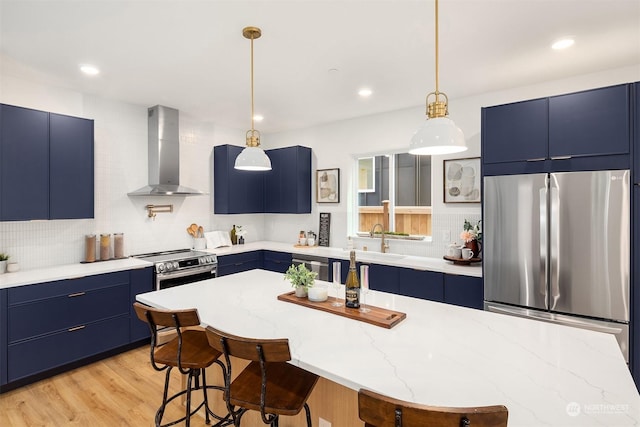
(365,92)
(258,118)
(563,43)
(89,70)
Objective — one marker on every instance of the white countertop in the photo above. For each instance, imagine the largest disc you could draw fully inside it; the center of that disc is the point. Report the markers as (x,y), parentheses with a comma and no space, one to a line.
(69,271)
(546,374)
(407,261)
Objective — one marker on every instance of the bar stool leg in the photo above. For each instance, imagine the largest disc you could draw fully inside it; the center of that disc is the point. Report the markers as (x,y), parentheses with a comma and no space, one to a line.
(160,412)
(308,412)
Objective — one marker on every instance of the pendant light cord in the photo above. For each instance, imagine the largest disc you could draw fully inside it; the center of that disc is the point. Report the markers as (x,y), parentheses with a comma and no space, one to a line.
(437,76)
(252,115)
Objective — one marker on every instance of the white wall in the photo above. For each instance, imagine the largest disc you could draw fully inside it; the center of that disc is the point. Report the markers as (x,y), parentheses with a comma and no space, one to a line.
(336,144)
(121,167)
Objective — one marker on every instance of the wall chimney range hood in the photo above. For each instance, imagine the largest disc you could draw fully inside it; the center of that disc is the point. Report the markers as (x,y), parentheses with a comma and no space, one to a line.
(164,156)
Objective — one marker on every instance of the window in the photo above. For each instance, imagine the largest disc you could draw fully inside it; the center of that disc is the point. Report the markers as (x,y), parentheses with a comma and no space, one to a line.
(402,179)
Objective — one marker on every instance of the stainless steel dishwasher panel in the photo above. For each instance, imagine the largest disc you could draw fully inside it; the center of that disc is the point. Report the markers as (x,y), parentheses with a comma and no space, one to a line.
(314,263)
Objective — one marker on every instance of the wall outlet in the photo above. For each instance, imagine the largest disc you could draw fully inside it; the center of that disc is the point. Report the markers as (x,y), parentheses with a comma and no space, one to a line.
(446,235)
(323,423)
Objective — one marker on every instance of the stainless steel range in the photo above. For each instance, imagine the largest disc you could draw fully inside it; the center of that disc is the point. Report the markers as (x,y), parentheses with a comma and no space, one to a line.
(179,267)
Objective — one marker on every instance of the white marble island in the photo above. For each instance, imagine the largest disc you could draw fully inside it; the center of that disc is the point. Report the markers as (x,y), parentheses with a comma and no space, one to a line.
(546,375)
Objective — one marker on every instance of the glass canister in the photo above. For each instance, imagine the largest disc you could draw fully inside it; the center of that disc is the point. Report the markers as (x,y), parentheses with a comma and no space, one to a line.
(90,248)
(118,245)
(105,247)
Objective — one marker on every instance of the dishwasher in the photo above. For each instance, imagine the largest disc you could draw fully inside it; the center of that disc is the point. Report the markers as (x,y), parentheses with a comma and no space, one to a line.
(314,263)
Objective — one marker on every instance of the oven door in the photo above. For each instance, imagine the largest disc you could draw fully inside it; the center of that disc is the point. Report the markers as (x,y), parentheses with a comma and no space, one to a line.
(183,277)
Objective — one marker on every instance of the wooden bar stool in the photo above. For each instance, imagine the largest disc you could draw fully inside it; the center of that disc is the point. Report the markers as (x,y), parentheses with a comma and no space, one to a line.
(189,351)
(377,410)
(268,384)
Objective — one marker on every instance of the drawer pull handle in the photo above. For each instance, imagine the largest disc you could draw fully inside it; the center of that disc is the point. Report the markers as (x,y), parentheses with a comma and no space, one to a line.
(561,158)
(541,159)
(77,294)
(77,328)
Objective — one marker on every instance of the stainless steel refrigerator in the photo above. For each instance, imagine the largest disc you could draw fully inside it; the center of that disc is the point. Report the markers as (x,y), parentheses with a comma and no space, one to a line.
(557,248)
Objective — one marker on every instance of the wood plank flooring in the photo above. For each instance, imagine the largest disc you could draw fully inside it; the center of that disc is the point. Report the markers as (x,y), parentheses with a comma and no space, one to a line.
(123,390)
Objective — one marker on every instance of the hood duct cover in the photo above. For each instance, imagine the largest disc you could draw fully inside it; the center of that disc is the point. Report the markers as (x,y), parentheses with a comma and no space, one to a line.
(164,156)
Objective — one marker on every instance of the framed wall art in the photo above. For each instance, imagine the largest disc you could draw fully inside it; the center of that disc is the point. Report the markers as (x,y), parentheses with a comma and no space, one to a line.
(461,180)
(328,186)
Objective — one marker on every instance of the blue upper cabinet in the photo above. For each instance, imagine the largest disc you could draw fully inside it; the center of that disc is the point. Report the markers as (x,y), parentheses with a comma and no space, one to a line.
(235,191)
(288,184)
(636,146)
(24,159)
(71,167)
(588,130)
(46,165)
(286,188)
(515,132)
(590,123)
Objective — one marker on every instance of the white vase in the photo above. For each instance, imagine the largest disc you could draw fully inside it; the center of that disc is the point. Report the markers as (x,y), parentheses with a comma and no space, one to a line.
(301,291)
(3,267)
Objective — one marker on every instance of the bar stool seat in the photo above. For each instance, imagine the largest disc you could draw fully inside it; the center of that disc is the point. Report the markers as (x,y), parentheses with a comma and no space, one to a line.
(377,410)
(189,351)
(268,384)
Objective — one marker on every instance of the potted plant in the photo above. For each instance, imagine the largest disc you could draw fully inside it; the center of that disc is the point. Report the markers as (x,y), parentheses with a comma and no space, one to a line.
(301,278)
(3,262)
(472,237)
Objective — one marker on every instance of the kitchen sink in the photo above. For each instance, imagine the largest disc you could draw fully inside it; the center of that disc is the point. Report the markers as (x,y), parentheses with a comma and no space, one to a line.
(375,256)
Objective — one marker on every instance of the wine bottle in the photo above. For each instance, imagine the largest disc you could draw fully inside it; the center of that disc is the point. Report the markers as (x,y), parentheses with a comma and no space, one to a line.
(352,286)
(234,237)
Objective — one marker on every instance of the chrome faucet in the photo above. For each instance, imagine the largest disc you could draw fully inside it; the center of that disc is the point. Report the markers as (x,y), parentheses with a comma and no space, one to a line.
(384,247)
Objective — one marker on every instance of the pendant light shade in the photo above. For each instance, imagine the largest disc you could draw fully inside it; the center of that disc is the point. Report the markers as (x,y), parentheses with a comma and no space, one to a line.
(439,134)
(252,158)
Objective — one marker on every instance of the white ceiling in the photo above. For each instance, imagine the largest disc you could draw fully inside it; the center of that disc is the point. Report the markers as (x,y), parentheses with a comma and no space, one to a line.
(190,54)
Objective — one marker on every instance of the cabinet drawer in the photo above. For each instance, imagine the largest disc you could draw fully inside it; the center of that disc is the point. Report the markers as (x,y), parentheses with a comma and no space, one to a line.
(40,354)
(277,261)
(66,287)
(57,313)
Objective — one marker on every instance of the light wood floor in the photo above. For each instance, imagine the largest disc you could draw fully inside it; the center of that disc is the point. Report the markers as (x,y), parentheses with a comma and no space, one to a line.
(123,390)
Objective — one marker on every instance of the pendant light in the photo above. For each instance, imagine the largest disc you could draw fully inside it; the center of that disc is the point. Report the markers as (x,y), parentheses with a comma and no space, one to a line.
(439,134)
(252,158)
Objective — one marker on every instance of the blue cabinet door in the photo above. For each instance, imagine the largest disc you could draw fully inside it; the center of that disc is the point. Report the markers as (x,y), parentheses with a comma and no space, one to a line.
(288,184)
(235,191)
(141,281)
(3,336)
(515,132)
(71,167)
(634,360)
(383,278)
(636,143)
(590,123)
(427,285)
(276,261)
(236,263)
(465,291)
(24,164)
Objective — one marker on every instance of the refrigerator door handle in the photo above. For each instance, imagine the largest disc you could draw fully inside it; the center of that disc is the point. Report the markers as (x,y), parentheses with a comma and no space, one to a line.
(554,243)
(544,267)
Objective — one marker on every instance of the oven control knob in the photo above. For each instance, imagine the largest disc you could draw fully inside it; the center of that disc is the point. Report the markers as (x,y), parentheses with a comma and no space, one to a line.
(207,259)
(168,266)
(175,265)
(211,259)
(160,268)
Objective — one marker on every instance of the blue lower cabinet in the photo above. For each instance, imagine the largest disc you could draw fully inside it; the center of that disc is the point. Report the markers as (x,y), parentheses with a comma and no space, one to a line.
(634,359)
(465,291)
(427,285)
(141,282)
(384,278)
(3,336)
(276,261)
(39,354)
(236,263)
(50,325)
